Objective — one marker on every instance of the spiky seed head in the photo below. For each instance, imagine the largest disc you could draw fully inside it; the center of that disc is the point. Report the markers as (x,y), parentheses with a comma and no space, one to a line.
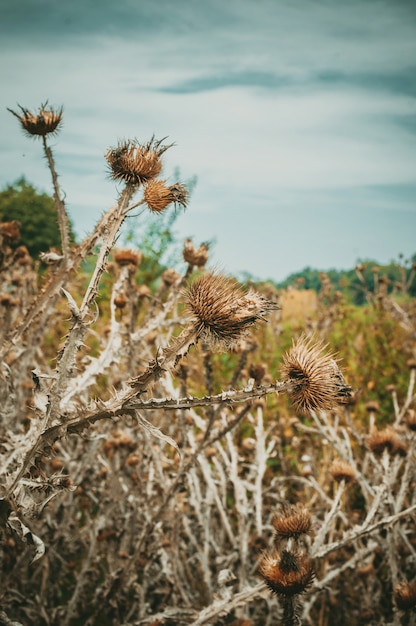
(405,596)
(222,311)
(158,195)
(195,257)
(287,573)
(372,406)
(40,124)
(170,277)
(127,257)
(136,163)
(10,230)
(342,471)
(386,439)
(318,382)
(292,521)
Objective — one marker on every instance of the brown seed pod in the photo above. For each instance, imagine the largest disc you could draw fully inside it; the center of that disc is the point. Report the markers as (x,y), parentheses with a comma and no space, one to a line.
(222,311)
(196,258)
(405,596)
(10,230)
(386,439)
(39,124)
(127,257)
(120,301)
(136,163)
(158,195)
(170,277)
(342,471)
(287,573)
(318,383)
(292,521)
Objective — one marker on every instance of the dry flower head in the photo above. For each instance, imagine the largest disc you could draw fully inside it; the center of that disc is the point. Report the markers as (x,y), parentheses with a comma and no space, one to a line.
(318,383)
(39,124)
(195,257)
(386,439)
(292,521)
(342,471)
(158,195)
(222,311)
(136,163)
(127,257)
(405,596)
(287,573)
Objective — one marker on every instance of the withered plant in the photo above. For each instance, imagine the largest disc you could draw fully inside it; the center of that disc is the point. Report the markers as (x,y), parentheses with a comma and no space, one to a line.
(155,470)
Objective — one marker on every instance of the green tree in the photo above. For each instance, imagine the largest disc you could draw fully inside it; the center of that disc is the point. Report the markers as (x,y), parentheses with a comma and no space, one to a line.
(36,213)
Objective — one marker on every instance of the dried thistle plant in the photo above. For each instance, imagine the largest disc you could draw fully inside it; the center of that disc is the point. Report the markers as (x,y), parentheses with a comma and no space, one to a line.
(163,509)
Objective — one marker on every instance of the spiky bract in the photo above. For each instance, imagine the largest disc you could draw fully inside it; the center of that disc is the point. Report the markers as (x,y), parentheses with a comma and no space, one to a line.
(317,382)
(222,311)
(40,124)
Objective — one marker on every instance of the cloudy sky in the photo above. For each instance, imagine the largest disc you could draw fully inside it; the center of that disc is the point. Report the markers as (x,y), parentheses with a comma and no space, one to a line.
(298,117)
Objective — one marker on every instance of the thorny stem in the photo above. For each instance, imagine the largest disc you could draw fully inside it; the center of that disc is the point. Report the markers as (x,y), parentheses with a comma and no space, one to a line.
(361,531)
(330,515)
(59,203)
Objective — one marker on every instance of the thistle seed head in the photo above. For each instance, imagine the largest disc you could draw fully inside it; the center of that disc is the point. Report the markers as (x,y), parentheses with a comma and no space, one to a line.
(386,439)
(196,258)
(222,312)
(318,383)
(292,521)
(136,163)
(127,257)
(40,124)
(405,596)
(158,195)
(10,231)
(288,573)
(342,471)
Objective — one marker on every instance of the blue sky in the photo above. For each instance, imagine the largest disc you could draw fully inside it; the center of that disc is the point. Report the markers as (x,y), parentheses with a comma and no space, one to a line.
(297,117)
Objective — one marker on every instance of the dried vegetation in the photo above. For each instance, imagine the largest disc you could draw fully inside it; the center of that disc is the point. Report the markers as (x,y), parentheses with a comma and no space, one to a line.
(146,479)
